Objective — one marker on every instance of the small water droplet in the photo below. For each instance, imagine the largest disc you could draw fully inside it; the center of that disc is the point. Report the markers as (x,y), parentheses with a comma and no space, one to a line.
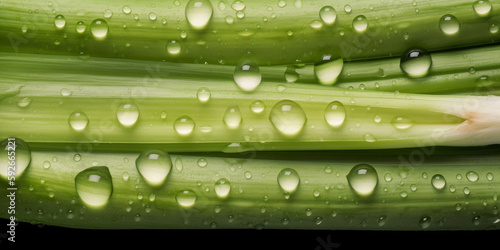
(173,47)
(80,27)
(347,8)
(288,117)
(415,62)
(472,176)
(60,22)
(184,125)
(199,13)
(369,137)
(363,179)
(22,157)
(152,16)
(126,9)
(425,222)
(482,7)
(222,187)
(99,28)
(291,74)
(257,106)
(24,102)
(232,117)
(438,181)
(335,114)
(127,114)
(449,24)
(154,166)
(78,120)
(94,185)
(328,69)
(360,23)
(203,94)
(288,180)
(328,15)
(46,164)
(247,75)
(186,198)
(402,122)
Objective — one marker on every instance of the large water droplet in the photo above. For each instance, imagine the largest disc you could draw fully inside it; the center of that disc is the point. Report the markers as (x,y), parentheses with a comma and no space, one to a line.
(78,120)
(127,114)
(328,70)
(363,179)
(94,185)
(438,181)
(184,125)
(472,176)
(154,165)
(247,75)
(449,24)
(222,187)
(335,114)
(60,22)
(173,47)
(199,13)
(416,62)
(15,157)
(99,28)
(328,15)
(402,122)
(288,180)
(186,198)
(425,222)
(288,117)
(482,7)
(232,117)
(360,23)
(80,27)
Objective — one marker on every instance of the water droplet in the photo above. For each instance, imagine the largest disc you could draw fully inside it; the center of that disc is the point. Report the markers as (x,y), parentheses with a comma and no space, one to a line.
(335,114)
(288,117)
(184,125)
(173,47)
(99,28)
(360,23)
(222,187)
(289,180)
(126,9)
(203,94)
(78,120)
(347,8)
(438,181)
(94,185)
(482,7)
(425,222)
(199,13)
(46,164)
(291,74)
(232,117)
(186,198)
(493,28)
(154,166)
(247,75)
(152,16)
(22,157)
(449,24)
(257,106)
(402,122)
(80,27)
(363,179)
(328,15)
(248,175)
(60,22)
(24,102)
(416,62)
(202,162)
(328,69)
(127,114)
(77,157)
(369,137)
(472,176)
